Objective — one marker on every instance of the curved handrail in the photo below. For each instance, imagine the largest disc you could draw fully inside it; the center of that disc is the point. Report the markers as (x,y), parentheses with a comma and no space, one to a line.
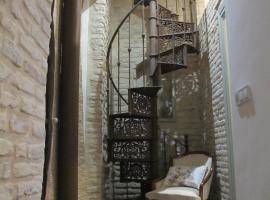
(110,47)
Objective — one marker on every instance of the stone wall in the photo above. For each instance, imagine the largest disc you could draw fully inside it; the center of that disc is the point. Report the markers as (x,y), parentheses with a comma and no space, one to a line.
(91,174)
(119,10)
(24,48)
(214,113)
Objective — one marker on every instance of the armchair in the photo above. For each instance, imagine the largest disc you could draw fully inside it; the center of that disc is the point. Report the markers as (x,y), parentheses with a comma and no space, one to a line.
(183,192)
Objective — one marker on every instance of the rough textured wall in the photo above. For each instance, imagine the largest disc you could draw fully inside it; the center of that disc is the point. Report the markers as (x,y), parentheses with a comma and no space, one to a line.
(24,48)
(119,10)
(91,149)
(214,113)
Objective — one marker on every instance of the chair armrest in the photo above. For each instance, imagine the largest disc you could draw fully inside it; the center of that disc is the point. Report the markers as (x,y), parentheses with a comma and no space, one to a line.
(157,183)
(206,185)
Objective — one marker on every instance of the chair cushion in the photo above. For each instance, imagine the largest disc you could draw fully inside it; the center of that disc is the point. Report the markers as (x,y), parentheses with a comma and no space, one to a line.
(174,193)
(185,176)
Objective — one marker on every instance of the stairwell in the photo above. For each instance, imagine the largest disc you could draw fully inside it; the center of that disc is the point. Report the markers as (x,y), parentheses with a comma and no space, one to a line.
(132,104)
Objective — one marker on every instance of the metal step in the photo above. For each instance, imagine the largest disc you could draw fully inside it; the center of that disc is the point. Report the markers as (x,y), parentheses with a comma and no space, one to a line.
(129,115)
(147,91)
(190,49)
(170,67)
(135,171)
(130,128)
(129,151)
(170,36)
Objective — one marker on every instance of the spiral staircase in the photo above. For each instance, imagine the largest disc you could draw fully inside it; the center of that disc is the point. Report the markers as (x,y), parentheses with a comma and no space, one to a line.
(132,114)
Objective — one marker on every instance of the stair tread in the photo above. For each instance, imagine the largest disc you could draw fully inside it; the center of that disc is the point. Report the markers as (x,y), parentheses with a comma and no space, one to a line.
(115,139)
(147,91)
(176,34)
(176,21)
(129,115)
(191,49)
(169,67)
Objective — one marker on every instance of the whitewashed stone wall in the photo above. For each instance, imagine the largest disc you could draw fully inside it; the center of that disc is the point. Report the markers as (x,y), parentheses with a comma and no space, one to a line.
(119,10)
(91,174)
(24,48)
(214,114)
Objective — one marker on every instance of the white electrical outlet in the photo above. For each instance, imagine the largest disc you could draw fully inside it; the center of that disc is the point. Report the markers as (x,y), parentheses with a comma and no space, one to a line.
(243,95)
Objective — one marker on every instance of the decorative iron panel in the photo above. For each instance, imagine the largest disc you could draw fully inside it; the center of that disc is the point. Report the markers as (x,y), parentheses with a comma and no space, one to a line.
(135,171)
(164,13)
(130,150)
(140,104)
(170,58)
(131,128)
(169,27)
(168,42)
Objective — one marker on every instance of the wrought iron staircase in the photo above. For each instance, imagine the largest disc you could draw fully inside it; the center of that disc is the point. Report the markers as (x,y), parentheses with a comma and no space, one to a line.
(132,111)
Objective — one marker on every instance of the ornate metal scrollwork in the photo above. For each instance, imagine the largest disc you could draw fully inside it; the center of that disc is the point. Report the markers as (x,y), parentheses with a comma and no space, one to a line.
(127,128)
(170,58)
(164,13)
(130,150)
(168,42)
(140,104)
(169,27)
(135,171)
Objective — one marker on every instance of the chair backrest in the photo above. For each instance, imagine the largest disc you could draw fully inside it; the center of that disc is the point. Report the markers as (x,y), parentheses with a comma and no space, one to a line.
(194,159)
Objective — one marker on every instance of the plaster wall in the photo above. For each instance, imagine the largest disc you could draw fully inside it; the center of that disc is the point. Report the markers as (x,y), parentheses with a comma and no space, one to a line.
(249,47)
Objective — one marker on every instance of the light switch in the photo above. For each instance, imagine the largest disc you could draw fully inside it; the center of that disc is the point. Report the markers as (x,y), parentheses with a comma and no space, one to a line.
(243,95)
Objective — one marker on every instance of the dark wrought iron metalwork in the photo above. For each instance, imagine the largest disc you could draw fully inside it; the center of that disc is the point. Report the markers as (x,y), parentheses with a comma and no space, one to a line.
(121,150)
(171,58)
(140,104)
(168,42)
(132,135)
(168,27)
(164,13)
(136,171)
(130,128)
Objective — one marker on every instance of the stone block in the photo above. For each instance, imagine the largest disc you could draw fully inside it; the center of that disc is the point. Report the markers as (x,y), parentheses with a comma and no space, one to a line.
(31,47)
(20,124)
(40,38)
(9,26)
(39,129)
(3,120)
(8,97)
(5,170)
(6,192)
(29,188)
(34,71)
(21,150)
(5,71)
(10,50)
(6,147)
(24,169)
(36,151)
(32,107)
(33,11)
(24,83)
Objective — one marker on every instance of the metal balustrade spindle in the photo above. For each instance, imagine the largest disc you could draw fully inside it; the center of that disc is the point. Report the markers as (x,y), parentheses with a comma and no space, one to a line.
(191,10)
(176,5)
(110,85)
(185,17)
(118,73)
(158,24)
(129,52)
(143,42)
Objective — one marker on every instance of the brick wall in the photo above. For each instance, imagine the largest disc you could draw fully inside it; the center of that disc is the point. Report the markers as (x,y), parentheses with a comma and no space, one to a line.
(214,114)
(91,174)
(24,48)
